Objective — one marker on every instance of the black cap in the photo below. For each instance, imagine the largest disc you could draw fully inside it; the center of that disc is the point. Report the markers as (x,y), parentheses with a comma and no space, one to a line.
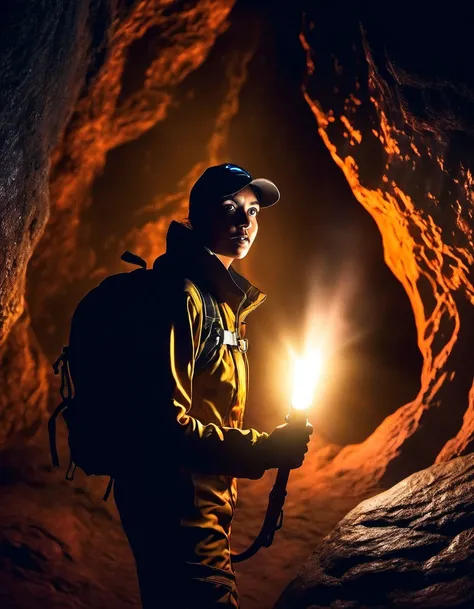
(220,181)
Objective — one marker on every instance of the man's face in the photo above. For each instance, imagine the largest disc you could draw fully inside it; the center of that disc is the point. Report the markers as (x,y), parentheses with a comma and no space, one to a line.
(233,224)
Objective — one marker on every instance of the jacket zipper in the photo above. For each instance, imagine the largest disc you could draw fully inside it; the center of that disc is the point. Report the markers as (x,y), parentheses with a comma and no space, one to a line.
(236,390)
(234,397)
(233,401)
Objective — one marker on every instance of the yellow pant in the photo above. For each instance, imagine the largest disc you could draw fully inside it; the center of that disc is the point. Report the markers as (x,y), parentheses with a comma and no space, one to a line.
(165,580)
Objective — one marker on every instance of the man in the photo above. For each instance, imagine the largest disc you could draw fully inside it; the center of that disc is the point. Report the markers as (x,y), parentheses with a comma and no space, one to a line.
(177,513)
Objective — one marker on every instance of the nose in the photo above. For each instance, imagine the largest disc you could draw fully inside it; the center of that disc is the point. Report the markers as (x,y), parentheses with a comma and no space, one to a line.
(243,219)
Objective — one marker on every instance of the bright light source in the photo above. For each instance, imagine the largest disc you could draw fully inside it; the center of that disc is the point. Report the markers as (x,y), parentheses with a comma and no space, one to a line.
(307,373)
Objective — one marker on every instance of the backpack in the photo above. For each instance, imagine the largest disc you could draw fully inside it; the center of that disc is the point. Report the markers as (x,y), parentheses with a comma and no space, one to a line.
(103,345)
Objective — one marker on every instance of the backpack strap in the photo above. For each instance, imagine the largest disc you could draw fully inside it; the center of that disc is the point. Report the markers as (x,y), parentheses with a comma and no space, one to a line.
(60,366)
(212,333)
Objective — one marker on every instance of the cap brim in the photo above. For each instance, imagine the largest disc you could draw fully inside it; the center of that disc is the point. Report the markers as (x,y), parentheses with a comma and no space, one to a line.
(268,193)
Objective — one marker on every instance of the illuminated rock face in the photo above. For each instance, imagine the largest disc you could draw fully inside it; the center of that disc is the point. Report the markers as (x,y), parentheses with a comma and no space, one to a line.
(408,547)
(24,382)
(399,129)
(45,56)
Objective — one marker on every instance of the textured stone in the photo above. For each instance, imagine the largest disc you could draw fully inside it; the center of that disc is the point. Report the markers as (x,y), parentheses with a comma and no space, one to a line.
(61,546)
(395,125)
(409,547)
(24,382)
(45,54)
(45,57)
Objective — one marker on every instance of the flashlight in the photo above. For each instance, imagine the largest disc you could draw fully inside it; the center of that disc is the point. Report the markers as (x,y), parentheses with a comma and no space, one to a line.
(306,375)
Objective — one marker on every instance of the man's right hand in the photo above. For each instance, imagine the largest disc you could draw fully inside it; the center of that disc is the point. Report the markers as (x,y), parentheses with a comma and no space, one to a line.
(286,446)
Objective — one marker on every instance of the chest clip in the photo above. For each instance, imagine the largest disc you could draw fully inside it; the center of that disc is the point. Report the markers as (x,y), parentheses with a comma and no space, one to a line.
(230,338)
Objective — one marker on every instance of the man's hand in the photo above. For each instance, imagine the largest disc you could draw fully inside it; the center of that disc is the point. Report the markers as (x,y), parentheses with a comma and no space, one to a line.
(286,446)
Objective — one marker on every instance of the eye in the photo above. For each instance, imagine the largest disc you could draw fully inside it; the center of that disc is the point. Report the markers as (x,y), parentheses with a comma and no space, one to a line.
(254,211)
(229,208)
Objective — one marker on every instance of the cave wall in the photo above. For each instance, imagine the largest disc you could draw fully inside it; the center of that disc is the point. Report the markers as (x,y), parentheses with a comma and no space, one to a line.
(396,119)
(46,56)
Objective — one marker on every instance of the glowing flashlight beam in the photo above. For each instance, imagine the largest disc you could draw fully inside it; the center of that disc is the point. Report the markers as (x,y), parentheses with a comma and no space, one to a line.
(307,373)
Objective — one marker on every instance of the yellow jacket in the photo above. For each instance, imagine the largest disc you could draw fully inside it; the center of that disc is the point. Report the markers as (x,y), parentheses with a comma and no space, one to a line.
(200,413)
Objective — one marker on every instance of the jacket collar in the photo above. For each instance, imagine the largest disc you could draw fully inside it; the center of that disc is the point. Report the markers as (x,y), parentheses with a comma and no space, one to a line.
(201,266)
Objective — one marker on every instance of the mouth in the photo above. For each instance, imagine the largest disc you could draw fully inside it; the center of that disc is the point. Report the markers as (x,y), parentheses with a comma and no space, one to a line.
(242,238)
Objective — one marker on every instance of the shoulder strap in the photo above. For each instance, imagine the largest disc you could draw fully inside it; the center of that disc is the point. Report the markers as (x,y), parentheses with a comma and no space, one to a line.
(212,333)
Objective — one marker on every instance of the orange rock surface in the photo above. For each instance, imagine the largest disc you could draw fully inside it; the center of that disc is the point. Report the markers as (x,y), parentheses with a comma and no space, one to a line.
(424,213)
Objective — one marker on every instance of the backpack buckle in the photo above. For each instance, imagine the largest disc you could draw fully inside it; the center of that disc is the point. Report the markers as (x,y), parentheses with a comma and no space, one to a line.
(243,345)
(231,338)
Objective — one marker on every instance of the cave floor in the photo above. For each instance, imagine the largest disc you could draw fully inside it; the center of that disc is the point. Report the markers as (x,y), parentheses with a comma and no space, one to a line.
(63,546)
